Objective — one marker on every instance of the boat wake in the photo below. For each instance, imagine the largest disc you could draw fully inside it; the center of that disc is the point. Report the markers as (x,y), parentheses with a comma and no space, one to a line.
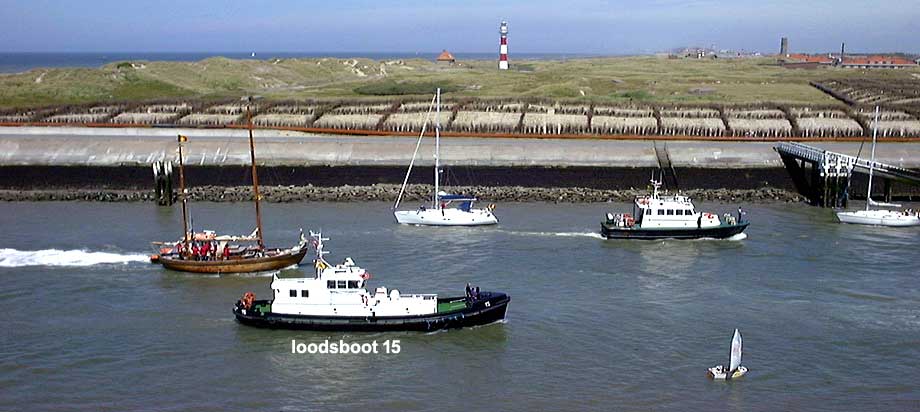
(12,258)
(740,236)
(594,235)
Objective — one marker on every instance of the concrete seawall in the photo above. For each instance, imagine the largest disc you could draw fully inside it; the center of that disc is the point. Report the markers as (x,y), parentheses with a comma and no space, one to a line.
(43,146)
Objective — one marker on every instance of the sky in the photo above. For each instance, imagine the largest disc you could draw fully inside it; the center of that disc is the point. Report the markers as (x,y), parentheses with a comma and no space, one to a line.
(536,26)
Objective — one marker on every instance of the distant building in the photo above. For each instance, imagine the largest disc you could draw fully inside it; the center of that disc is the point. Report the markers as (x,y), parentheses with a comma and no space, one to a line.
(784,46)
(446,58)
(845,61)
(876,62)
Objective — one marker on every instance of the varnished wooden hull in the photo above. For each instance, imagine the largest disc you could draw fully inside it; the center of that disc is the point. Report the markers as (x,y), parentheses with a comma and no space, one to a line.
(262,264)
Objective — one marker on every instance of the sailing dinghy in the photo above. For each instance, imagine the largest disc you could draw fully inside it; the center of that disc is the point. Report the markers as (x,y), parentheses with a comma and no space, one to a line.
(735,370)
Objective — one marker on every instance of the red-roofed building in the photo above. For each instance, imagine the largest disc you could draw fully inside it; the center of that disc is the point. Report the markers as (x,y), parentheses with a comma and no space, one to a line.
(876,62)
(446,58)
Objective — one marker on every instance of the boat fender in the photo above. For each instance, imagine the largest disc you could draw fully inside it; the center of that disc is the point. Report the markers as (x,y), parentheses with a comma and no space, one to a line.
(488,304)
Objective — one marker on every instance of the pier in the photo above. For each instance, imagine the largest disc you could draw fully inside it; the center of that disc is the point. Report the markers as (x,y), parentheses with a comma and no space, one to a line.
(824,176)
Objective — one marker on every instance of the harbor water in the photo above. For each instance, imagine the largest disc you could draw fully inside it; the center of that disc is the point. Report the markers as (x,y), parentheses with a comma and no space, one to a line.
(830,314)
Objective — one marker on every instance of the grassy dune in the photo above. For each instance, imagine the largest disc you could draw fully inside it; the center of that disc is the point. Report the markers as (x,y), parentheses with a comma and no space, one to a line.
(619,80)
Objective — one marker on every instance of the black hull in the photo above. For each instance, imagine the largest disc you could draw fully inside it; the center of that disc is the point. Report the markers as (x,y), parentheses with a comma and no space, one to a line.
(718,232)
(489,308)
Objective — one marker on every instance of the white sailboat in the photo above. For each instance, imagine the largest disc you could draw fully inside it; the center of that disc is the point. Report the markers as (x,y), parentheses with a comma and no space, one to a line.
(878,217)
(735,370)
(441,213)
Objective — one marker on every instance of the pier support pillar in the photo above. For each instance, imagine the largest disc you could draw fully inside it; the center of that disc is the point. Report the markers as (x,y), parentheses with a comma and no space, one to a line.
(887,186)
(162,182)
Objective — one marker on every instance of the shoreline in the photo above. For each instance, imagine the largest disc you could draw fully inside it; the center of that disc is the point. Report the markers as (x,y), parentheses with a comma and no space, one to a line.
(416,193)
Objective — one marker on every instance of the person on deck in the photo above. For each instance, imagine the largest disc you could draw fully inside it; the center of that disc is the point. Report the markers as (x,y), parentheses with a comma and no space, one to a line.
(195,251)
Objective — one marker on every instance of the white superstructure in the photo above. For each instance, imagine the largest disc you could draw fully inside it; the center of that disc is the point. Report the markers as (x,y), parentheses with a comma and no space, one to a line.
(340,290)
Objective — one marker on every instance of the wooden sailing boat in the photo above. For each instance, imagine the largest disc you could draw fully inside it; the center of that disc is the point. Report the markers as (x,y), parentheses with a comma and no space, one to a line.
(440,213)
(878,217)
(207,252)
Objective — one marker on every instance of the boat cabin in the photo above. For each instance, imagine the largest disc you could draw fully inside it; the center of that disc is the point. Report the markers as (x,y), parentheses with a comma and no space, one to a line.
(342,290)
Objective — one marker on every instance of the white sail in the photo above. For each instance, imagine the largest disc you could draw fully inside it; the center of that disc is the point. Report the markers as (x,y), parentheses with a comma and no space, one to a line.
(736,352)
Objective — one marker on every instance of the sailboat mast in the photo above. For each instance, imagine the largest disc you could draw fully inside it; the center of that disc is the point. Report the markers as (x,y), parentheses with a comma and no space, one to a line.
(255,176)
(183,194)
(437,149)
(872,159)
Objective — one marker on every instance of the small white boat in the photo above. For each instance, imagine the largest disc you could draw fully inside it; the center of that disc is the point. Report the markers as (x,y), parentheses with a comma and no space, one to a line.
(440,213)
(878,217)
(735,370)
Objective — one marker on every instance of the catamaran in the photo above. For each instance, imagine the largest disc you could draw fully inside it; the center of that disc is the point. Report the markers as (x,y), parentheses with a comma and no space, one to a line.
(440,213)
(336,299)
(735,370)
(208,252)
(878,217)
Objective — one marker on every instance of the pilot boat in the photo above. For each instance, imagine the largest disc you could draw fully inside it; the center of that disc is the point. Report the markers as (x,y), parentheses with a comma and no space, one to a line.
(670,217)
(336,299)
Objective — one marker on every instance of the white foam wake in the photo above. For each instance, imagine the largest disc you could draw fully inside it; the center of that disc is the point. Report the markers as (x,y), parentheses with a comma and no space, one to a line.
(594,235)
(12,258)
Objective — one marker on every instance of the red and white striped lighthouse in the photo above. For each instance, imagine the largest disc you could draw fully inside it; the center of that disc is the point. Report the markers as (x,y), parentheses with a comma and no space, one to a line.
(503,49)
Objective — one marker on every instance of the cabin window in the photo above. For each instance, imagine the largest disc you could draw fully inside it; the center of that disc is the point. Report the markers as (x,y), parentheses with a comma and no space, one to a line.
(340,284)
(352,284)
(648,211)
(293,293)
(304,293)
(680,212)
(330,284)
(660,212)
(670,212)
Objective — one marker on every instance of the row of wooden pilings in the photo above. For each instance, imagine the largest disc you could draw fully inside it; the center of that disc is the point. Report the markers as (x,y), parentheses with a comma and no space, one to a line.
(162,183)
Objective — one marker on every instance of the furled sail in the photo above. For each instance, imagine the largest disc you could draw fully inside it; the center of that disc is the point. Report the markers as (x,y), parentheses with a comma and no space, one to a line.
(882,204)
(736,352)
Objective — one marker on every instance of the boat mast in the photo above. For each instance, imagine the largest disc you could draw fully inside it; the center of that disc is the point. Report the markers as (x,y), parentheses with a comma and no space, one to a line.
(437,149)
(255,176)
(183,194)
(872,159)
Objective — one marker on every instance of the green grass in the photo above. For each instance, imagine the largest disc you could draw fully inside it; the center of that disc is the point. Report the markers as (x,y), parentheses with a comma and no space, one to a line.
(647,79)
(401,88)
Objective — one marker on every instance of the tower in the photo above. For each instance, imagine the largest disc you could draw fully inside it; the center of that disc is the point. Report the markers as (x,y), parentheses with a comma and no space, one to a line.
(503,48)
(784,47)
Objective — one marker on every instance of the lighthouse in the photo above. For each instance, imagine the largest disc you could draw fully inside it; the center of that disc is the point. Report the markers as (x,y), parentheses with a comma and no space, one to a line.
(503,48)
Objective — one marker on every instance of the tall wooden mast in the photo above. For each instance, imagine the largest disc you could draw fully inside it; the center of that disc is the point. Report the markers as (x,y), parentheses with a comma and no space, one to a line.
(183,193)
(255,176)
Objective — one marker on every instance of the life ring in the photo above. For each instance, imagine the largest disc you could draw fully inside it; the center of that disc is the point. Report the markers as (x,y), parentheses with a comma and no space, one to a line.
(366,275)
(708,215)
(643,201)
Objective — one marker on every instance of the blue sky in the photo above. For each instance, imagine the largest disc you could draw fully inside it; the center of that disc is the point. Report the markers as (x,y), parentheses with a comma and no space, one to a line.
(537,26)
